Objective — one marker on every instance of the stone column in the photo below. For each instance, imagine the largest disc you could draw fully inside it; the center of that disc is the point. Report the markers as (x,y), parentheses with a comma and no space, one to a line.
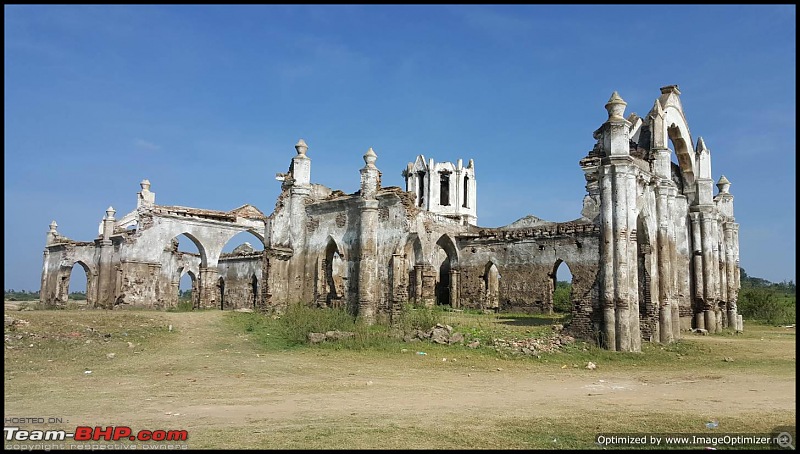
(209,277)
(399,285)
(454,288)
(697,271)
(621,291)
(607,259)
(429,285)
(673,269)
(299,182)
(633,268)
(708,273)
(106,276)
(664,264)
(418,284)
(368,237)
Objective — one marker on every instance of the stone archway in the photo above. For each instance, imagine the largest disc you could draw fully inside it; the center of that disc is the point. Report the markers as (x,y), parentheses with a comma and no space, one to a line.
(447,285)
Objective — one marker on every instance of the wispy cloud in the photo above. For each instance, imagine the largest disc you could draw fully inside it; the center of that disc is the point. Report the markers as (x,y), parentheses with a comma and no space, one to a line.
(498,25)
(146,146)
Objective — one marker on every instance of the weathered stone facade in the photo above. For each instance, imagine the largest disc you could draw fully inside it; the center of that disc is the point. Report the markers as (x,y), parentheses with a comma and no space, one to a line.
(653,253)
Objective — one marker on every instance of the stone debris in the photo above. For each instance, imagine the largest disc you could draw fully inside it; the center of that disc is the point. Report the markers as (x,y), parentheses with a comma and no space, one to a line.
(591,366)
(439,334)
(316,338)
(533,346)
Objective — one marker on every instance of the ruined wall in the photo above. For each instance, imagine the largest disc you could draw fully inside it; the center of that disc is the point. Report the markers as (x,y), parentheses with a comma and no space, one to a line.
(655,251)
(527,261)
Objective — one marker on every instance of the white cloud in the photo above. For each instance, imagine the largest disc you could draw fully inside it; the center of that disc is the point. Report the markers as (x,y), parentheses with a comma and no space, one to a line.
(147,146)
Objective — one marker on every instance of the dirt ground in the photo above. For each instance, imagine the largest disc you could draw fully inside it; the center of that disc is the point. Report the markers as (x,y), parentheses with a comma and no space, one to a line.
(209,381)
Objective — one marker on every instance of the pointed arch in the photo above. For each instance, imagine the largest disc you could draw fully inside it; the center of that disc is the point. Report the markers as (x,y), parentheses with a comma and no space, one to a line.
(334,270)
(447,243)
(221,288)
(560,291)
(491,279)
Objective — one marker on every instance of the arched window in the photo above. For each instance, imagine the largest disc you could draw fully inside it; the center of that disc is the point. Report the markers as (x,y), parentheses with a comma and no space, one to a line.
(466,192)
(444,189)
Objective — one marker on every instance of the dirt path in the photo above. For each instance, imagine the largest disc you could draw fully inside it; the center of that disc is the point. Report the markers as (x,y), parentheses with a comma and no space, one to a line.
(211,381)
(280,386)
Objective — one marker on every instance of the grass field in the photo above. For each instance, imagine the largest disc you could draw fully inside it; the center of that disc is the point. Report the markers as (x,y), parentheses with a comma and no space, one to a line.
(238,380)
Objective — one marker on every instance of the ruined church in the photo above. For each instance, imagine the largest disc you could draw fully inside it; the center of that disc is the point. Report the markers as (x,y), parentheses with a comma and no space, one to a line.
(653,253)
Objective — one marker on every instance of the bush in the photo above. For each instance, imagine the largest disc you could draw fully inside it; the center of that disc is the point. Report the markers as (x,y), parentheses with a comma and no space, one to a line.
(561,297)
(422,318)
(762,304)
(298,320)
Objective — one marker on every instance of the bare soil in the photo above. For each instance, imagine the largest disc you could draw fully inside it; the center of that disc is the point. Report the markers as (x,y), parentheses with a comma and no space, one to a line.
(207,380)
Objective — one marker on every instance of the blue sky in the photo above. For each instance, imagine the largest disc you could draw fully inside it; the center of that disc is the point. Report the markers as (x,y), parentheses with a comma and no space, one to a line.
(207,103)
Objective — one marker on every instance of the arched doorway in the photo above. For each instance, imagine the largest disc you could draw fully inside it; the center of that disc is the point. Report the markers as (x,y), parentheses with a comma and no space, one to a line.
(446,257)
(334,271)
(243,264)
(491,285)
(221,289)
(74,287)
(561,288)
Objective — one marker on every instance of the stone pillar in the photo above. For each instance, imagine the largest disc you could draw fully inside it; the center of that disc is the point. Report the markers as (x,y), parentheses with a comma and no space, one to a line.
(607,259)
(633,259)
(454,288)
(673,269)
(106,277)
(621,290)
(368,237)
(399,284)
(429,285)
(664,263)
(418,284)
(709,302)
(697,270)
(299,182)
(209,277)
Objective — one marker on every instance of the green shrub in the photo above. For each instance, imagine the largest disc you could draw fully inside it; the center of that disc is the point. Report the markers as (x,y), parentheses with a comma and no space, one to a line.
(561,297)
(299,319)
(763,304)
(423,318)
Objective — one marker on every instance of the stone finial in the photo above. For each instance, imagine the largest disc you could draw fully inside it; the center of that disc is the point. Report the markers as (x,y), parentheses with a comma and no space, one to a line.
(471,164)
(667,89)
(701,145)
(616,107)
(145,184)
(110,212)
(723,185)
(301,147)
(53,226)
(370,157)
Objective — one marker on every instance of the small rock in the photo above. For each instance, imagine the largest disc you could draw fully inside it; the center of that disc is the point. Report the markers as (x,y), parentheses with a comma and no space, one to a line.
(474,344)
(87,372)
(499,368)
(728,359)
(591,366)
(369,383)
(111,355)
(130,345)
(170,328)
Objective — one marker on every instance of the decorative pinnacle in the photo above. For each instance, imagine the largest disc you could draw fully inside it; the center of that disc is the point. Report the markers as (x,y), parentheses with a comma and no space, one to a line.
(145,184)
(301,147)
(53,226)
(723,185)
(670,89)
(701,145)
(616,107)
(110,212)
(370,157)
